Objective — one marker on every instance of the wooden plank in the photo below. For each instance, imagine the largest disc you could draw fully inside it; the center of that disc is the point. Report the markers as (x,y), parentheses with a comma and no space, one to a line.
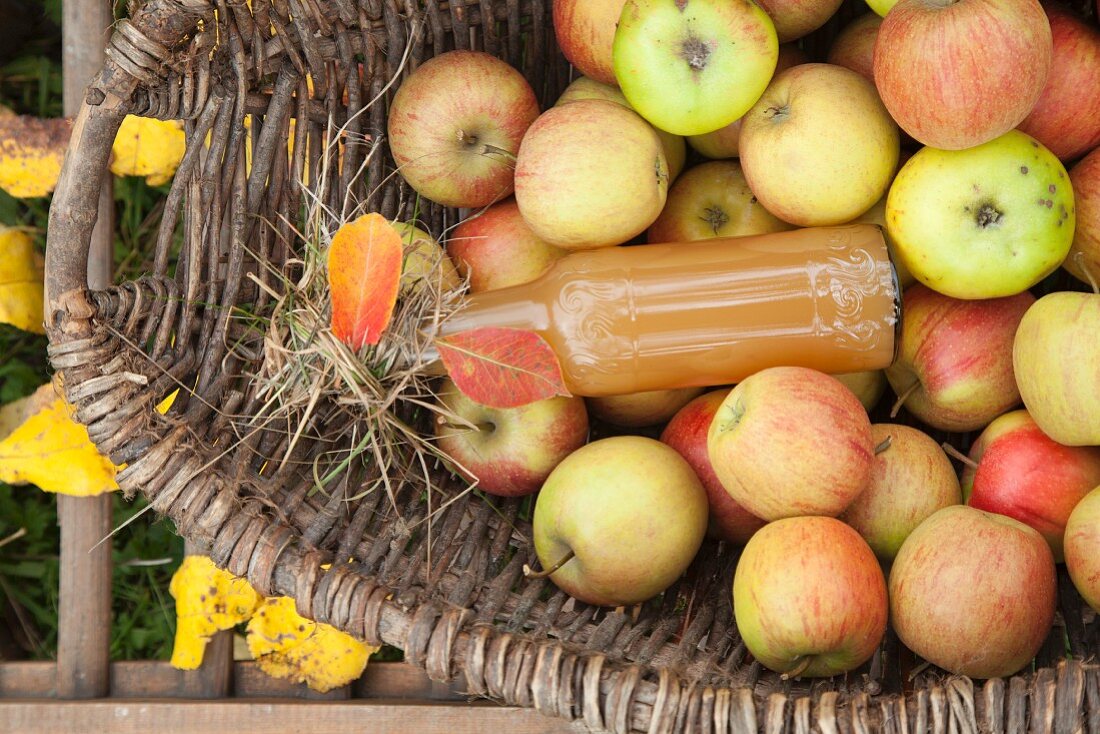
(214,678)
(158,679)
(304,717)
(84,614)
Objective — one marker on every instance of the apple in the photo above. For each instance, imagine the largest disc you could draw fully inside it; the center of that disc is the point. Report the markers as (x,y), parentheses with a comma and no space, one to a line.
(455,125)
(985,222)
(1082,544)
(1083,260)
(627,515)
(911,479)
(687,433)
(722,143)
(796,18)
(712,199)
(585,88)
(425,261)
(809,598)
(692,66)
(955,75)
(1023,473)
(496,249)
(823,126)
(590,174)
(791,441)
(584,30)
(954,364)
(1056,358)
(868,386)
(973,592)
(508,451)
(854,47)
(640,409)
(1066,119)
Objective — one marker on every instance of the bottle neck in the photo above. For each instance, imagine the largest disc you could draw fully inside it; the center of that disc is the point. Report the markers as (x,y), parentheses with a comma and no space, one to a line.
(515,307)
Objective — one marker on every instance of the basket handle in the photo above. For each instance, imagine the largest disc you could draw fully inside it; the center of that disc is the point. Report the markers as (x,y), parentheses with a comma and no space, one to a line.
(160,27)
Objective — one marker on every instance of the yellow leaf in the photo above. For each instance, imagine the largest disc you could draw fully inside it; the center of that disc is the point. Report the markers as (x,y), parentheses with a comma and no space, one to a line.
(287,645)
(47,447)
(20,281)
(6,112)
(31,153)
(208,600)
(148,147)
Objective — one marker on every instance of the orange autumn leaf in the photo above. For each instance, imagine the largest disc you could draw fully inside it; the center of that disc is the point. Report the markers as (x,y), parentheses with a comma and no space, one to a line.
(502,367)
(364,272)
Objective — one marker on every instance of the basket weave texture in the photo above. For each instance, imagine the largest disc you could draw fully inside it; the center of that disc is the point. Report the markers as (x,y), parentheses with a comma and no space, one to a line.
(451,592)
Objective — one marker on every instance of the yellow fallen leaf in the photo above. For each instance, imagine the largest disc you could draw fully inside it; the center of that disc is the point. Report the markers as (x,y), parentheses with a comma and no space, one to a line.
(31,153)
(208,600)
(42,444)
(20,281)
(148,147)
(286,645)
(6,111)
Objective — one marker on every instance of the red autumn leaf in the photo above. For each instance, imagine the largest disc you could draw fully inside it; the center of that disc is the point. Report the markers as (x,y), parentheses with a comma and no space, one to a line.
(502,367)
(364,270)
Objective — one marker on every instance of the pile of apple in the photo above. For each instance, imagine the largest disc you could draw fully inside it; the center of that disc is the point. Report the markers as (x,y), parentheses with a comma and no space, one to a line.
(845,524)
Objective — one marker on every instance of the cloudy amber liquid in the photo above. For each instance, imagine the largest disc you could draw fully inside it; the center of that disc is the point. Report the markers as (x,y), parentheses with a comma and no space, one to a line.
(707,313)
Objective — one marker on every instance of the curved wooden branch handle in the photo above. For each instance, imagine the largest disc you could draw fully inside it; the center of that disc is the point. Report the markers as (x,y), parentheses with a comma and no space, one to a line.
(166,24)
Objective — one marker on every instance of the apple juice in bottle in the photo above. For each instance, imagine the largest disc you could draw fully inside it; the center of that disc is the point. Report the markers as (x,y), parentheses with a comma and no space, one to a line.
(706,313)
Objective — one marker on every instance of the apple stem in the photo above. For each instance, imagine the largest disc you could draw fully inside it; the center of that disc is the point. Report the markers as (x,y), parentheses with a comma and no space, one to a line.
(1083,264)
(543,574)
(902,398)
(798,669)
(884,445)
(955,453)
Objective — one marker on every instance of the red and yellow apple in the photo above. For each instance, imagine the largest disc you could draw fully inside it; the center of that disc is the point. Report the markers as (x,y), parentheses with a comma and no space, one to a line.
(911,479)
(954,364)
(584,30)
(824,127)
(1066,119)
(973,592)
(796,18)
(809,598)
(791,441)
(508,451)
(640,409)
(955,75)
(495,249)
(1023,473)
(627,515)
(1082,545)
(1083,260)
(455,126)
(854,47)
(712,199)
(1056,359)
(590,174)
(687,433)
(868,386)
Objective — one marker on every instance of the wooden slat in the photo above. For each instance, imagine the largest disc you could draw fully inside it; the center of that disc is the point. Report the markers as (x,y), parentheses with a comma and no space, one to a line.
(84,614)
(156,679)
(314,717)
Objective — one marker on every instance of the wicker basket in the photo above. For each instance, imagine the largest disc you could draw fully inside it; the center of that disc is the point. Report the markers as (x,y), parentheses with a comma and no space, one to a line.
(465,609)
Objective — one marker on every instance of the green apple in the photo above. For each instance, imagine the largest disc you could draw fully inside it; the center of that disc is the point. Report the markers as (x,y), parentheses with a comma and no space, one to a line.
(819,148)
(585,88)
(691,66)
(983,222)
(626,514)
(882,7)
(809,597)
(425,262)
(1082,544)
(1056,360)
